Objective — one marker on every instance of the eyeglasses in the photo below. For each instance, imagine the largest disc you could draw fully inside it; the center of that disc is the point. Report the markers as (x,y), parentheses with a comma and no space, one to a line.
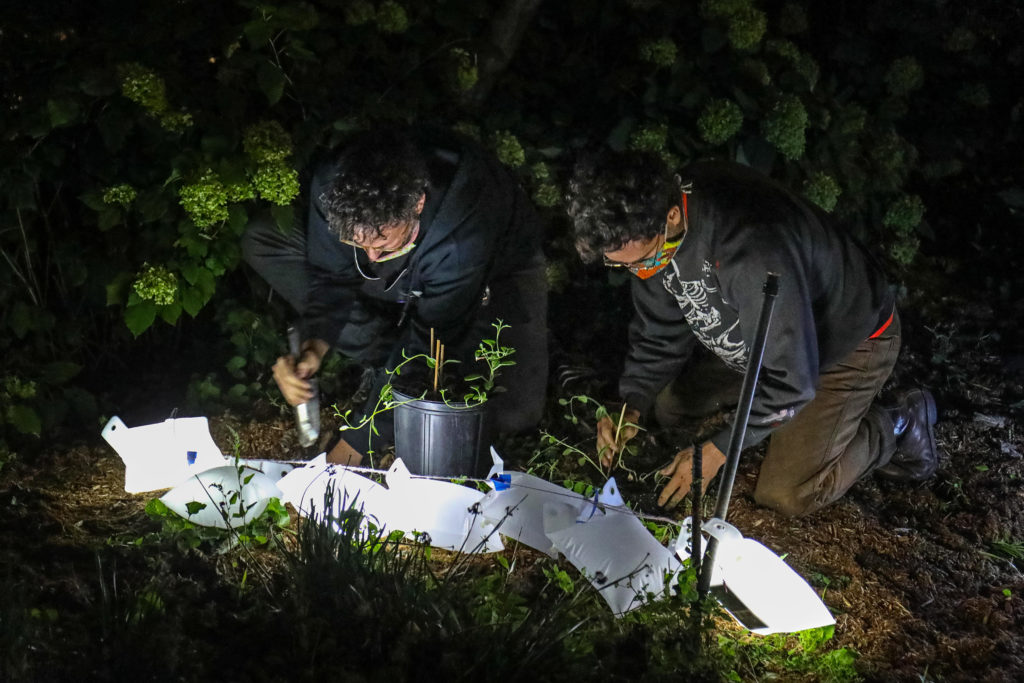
(645,262)
(406,243)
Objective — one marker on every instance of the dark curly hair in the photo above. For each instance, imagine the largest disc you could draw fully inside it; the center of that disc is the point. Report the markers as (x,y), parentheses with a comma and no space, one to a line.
(618,197)
(381,177)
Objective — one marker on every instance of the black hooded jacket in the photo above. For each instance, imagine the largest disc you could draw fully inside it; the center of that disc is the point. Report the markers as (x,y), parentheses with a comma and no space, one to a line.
(477,229)
(742,225)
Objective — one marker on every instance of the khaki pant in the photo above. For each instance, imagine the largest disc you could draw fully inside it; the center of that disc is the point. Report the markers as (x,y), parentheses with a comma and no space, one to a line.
(835,440)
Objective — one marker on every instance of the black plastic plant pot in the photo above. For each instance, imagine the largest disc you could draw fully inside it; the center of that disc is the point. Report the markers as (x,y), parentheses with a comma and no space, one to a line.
(440,439)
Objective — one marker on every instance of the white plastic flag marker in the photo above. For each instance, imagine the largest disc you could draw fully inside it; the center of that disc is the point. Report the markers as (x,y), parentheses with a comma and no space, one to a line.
(162,455)
(613,549)
(516,505)
(756,586)
(439,513)
(223,497)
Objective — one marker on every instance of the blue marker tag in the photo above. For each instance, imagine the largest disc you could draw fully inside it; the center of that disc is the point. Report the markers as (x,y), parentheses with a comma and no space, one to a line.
(191,457)
(502,481)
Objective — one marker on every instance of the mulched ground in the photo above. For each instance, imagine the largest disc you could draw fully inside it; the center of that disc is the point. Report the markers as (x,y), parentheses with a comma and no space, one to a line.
(916,577)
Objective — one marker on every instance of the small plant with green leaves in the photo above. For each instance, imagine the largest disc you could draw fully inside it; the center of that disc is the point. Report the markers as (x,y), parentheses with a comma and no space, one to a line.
(479,386)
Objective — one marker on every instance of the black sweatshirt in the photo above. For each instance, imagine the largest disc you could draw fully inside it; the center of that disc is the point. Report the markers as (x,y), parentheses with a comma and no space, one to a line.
(477,228)
(742,225)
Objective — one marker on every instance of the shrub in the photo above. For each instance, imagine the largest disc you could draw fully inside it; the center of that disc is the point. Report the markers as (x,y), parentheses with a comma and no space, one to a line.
(784,126)
(720,121)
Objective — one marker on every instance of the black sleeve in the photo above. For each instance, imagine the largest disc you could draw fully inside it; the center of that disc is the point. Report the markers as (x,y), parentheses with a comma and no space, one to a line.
(660,342)
(790,367)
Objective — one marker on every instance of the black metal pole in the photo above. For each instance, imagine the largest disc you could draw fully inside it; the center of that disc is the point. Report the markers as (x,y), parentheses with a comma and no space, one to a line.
(695,495)
(739,426)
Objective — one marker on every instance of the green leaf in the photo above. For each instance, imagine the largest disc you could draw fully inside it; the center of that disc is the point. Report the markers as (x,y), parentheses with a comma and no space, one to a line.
(271,81)
(59,372)
(116,288)
(192,300)
(258,33)
(93,199)
(156,508)
(151,205)
(138,318)
(109,217)
(62,111)
(236,364)
(194,507)
(170,312)
(206,283)
(24,419)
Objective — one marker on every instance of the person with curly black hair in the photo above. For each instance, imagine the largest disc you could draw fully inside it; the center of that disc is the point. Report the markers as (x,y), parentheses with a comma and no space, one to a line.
(700,245)
(411,234)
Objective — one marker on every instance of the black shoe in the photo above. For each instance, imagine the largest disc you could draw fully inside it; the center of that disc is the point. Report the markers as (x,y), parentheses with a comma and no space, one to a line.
(916,457)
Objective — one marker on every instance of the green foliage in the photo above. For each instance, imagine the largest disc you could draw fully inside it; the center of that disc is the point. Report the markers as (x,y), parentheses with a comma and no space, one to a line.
(791,655)
(122,195)
(649,138)
(276,183)
(143,87)
(784,126)
(508,149)
(905,75)
(746,28)
(464,70)
(661,52)
(960,39)
(156,284)
(547,195)
(266,142)
(206,200)
(904,214)
(164,158)
(359,12)
(720,121)
(392,17)
(823,190)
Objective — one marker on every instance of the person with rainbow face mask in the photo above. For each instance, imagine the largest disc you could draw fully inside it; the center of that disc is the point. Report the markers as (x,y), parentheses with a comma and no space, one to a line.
(700,244)
(411,234)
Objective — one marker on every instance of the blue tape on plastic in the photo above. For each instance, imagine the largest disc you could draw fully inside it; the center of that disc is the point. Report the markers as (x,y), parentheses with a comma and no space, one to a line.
(502,482)
(191,456)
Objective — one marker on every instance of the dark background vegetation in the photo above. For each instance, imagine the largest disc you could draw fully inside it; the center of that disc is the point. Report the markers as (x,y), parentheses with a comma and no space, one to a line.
(137,139)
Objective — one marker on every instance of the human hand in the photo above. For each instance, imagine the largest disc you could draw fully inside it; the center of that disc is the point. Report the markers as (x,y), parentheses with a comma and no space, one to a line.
(292,376)
(680,473)
(612,434)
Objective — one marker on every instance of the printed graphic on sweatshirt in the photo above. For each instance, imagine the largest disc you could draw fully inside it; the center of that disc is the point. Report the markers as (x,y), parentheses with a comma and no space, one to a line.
(701,303)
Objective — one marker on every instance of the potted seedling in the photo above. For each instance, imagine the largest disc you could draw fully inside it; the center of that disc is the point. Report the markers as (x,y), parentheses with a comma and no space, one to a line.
(442,422)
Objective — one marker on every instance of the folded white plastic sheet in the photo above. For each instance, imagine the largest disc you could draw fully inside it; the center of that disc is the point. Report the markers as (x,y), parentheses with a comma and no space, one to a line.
(516,507)
(756,586)
(224,497)
(440,513)
(164,454)
(307,489)
(612,548)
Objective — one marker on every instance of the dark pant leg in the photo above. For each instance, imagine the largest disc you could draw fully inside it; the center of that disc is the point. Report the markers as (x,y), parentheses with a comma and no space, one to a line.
(523,304)
(278,257)
(838,437)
